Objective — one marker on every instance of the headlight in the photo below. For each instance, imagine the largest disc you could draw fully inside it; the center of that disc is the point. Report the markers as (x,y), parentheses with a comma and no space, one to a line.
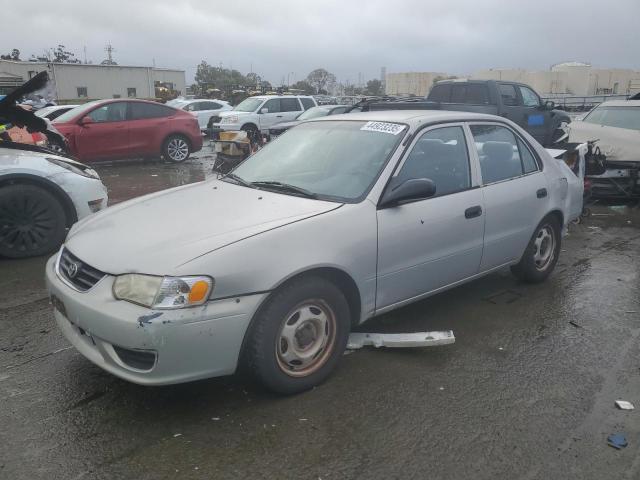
(87,172)
(163,292)
(230,119)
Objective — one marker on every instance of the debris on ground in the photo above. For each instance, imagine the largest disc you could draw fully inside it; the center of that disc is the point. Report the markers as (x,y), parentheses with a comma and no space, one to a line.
(575,324)
(400,340)
(624,405)
(617,441)
(175,435)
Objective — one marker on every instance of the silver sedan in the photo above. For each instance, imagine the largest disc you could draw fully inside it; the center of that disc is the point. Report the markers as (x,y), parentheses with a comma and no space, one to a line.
(338,220)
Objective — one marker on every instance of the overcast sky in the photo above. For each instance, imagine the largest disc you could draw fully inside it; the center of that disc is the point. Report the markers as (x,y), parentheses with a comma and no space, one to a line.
(292,37)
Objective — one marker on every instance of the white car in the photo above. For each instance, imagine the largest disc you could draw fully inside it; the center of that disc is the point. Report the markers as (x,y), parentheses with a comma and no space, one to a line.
(262,112)
(54,111)
(41,196)
(616,127)
(203,109)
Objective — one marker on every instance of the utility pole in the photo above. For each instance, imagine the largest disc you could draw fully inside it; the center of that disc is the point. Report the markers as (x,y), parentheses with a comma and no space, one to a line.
(109,49)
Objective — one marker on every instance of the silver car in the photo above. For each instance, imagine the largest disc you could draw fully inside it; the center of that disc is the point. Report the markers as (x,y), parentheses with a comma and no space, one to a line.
(339,220)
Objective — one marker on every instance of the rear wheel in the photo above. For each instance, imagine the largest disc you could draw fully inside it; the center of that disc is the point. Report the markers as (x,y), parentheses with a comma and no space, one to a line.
(541,255)
(32,221)
(176,148)
(299,336)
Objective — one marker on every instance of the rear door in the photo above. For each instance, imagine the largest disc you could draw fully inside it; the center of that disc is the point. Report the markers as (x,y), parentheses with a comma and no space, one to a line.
(147,126)
(511,104)
(290,108)
(431,243)
(108,135)
(514,190)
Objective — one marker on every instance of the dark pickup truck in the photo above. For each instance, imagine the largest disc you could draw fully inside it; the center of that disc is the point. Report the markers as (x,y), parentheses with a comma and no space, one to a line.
(515,101)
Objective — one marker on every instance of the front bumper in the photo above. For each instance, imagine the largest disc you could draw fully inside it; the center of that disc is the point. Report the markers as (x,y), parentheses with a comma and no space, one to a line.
(85,193)
(187,344)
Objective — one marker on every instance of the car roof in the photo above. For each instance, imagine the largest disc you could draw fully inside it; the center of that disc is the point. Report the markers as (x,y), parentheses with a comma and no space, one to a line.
(264,97)
(620,103)
(411,117)
(194,100)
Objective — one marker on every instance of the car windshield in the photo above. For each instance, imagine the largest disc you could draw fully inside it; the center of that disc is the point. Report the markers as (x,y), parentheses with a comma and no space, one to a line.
(314,112)
(335,160)
(249,105)
(620,117)
(74,112)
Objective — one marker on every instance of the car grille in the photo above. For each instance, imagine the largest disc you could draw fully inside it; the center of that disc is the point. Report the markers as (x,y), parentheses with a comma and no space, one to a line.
(77,273)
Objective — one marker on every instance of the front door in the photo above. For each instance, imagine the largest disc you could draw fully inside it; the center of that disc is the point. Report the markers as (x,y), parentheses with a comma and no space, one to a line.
(270,114)
(514,190)
(107,136)
(537,117)
(431,243)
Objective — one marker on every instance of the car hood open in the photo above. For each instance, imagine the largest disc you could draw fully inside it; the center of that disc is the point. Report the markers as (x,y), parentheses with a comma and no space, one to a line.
(158,233)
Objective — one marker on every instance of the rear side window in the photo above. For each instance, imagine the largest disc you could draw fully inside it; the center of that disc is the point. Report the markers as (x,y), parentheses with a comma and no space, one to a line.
(289,105)
(529,163)
(440,155)
(273,106)
(508,94)
(307,103)
(472,94)
(141,110)
(440,93)
(337,111)
(498,152)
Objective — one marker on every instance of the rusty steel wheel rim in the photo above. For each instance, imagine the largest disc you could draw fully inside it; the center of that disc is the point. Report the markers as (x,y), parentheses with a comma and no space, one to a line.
(306,338)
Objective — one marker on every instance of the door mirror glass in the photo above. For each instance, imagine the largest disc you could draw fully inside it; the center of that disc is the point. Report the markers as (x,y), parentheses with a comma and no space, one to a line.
(86,120)
(412,189)
(549,105)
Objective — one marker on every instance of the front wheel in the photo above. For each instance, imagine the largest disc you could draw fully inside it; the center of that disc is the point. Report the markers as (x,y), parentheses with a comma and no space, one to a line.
(299,336)
(541,255)
(32,221)
(176,149)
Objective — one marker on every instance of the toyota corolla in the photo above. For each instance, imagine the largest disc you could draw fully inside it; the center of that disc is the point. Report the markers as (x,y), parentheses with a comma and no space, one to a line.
(338,220)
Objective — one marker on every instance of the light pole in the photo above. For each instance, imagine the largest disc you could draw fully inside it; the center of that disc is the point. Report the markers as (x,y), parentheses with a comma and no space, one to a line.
(293,74)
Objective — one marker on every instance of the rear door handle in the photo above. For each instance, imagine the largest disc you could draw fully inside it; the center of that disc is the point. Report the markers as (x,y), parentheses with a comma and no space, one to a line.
(473,212)
(541,193)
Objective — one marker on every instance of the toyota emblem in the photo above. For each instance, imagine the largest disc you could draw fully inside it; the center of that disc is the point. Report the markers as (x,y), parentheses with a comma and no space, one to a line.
(72,269)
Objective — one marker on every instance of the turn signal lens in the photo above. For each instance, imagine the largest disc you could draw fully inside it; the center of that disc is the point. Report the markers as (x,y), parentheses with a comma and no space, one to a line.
(198,291)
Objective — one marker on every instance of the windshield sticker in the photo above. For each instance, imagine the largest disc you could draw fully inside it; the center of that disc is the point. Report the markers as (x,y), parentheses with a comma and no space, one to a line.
(385,127)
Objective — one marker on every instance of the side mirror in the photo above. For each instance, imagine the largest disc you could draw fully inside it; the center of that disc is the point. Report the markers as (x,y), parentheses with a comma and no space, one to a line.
(86,120)
(412,189)
(264,110)
(549,105)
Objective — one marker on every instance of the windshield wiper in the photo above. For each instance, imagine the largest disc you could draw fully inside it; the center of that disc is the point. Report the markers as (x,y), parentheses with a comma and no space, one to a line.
(238,180)
(284,187)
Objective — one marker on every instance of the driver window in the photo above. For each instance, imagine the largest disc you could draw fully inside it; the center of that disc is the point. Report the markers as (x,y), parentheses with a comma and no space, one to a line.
(111,112)
(272,105)
(529,98)
(440,155)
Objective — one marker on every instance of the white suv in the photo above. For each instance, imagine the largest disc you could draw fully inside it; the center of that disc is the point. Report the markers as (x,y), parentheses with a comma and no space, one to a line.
(261,112)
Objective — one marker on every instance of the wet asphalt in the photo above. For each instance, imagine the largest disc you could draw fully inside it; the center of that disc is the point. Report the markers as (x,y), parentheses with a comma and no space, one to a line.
(526,392)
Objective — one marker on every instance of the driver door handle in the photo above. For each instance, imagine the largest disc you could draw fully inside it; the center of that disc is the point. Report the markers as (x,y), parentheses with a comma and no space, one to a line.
(473,212)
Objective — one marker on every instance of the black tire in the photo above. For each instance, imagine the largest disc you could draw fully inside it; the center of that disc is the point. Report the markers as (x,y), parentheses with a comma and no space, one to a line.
(540,256)
(176,148)
(32,221)
(266,341)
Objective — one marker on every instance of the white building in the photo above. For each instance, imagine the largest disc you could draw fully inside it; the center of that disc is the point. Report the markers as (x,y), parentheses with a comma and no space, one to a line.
(411,83)
(77,82)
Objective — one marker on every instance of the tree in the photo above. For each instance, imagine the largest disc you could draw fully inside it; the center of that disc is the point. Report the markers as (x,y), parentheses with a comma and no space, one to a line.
(320,79)
(305,86)
(14,55)
(208,76)
(374,87)
(253,79)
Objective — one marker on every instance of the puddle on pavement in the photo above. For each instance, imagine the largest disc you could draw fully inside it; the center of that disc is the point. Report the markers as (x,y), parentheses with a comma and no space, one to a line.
(128,179)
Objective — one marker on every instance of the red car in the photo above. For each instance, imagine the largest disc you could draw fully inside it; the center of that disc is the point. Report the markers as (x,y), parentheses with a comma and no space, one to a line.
(112,129)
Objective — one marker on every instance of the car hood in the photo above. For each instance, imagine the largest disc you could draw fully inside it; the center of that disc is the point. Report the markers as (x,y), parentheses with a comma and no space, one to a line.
(617,144)
(158,233)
